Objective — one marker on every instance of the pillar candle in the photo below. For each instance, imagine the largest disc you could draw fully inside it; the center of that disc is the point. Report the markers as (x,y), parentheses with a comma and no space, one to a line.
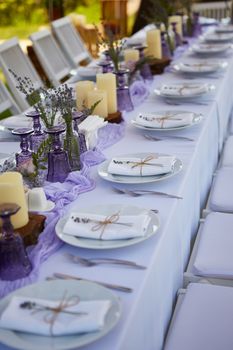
(107,82)
(131,55)
(93,96)
(153,40)
(12,191)
(82,88)
(178,20)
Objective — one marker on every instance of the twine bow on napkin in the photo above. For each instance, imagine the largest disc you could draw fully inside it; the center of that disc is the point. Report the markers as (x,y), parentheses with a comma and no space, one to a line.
(109,220)
(53,312)
(161,120)
(144,162)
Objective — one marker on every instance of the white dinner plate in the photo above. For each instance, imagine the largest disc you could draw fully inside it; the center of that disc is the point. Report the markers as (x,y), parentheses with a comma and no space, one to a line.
(54,290)
(224,29)
(199,67)
(175,90)
(103,171)
(197,118)
(108,210)
(218,37)
(209,49)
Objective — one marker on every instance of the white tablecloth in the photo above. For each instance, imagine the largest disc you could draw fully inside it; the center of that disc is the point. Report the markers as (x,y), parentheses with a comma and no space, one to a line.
(146,312)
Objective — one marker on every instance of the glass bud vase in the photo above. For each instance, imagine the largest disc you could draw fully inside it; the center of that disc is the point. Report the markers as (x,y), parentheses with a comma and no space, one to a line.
(166,53)
(71,145)
(38,136)
(145,70)
(177,37)
(77,118)
(124,102)
(14,262)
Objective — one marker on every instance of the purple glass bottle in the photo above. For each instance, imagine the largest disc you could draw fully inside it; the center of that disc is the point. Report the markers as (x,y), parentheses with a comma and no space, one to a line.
(38,135)
(178,39)
(108,59)
(58,163)
(145,70)
(166,53)
(14,262)
(25,155)
(197,30)
(124,102)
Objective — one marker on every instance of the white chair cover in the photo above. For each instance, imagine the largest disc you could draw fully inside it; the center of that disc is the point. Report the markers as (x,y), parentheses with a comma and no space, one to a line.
(70,41)
(214,256)
(13,57)
(227,157)
(204,319)
(50,56)
(221,197)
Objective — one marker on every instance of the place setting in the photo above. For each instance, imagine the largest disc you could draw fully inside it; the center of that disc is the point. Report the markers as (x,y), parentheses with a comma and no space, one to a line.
(203,49)
(217,37)
(196,69)
(185,92)
(58,315)
(107,226)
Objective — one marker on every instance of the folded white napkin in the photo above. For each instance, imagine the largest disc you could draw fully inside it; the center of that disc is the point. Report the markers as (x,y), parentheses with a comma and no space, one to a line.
(17,121)
(24,320)
(164,121)
(89,127)
(219,37)
(144,166)
(118,226)
(184,89)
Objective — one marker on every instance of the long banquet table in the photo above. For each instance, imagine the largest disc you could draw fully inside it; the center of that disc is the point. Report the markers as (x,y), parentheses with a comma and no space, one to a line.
(146,311)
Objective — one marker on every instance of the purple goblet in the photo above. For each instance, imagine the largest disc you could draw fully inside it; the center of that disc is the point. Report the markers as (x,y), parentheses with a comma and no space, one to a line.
(166,53)
(38,135)
(178,40)
(14,262)
(25,155)
(145,70)
(58,163)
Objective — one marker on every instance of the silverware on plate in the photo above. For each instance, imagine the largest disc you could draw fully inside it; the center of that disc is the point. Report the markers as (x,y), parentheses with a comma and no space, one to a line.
(99,261)
(161,138)
(104,284)
(138,192)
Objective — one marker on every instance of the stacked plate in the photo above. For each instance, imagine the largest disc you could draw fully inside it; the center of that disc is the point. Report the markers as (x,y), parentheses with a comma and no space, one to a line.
(206,49)
(201,67)
(184,91)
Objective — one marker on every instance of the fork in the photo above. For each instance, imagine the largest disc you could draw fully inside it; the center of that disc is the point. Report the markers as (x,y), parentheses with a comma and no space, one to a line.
(99,261)
(137,193)
(107,285)
(161,138)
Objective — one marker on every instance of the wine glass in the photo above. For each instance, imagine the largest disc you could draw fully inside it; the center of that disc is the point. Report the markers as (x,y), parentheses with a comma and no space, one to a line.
(14,261)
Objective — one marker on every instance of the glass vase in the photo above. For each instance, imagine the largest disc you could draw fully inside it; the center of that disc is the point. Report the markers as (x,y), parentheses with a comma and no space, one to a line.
(38,136)
(81,136)
(177,37)
(58,162)
(71,145)
(166,53)
(145,70)
(124,102)
(14,261)
(25,155)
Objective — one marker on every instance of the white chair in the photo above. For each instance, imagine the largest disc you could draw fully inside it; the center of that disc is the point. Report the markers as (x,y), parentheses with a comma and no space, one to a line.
(12,57)
(6,101)
(50,56)
(212,259)
(70,42)
(221,193)
(217,10)
(202,319)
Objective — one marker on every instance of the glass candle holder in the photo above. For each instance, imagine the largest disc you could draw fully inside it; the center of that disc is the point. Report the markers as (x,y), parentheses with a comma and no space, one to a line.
(178,40)
(145,70)
(38,136)
(77,118)
(58,163)
(166,53)
(14,261)
(106,66)
(124,102)
(25,155)
(108,59)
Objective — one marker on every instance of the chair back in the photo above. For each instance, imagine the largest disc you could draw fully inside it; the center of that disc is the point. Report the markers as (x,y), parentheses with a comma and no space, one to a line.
(12,57)
(70,41)
(50,56)
(7,101)
(216,10)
